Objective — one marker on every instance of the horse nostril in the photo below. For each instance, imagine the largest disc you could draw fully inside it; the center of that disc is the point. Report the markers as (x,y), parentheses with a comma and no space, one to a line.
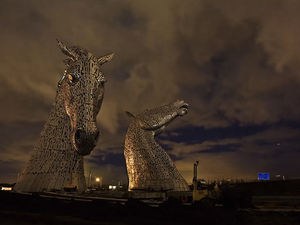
(78,134)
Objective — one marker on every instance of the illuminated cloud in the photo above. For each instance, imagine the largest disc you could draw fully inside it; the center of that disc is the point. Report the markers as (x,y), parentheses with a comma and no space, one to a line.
(233,62)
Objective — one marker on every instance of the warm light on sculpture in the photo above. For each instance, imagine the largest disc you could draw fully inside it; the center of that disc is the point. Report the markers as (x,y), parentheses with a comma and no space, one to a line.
(148,166)
(70,132)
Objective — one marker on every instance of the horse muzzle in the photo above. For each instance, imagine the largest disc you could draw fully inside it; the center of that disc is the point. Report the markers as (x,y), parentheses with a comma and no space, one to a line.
(85,140)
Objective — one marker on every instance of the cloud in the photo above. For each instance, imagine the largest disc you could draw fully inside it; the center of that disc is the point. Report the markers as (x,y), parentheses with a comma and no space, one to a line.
(229,61)
(272,150)
(262,139)
(233,62)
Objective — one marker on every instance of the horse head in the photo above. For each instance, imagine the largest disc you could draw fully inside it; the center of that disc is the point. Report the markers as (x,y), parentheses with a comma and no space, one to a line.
(82,91)
(156,120)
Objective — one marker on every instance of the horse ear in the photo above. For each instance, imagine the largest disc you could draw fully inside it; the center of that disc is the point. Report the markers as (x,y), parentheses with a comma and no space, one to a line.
(73,55)
(130,114)
(105,58)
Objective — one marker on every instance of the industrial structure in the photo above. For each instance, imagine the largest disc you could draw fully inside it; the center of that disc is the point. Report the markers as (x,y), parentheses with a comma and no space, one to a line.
(149,167)
(70,131)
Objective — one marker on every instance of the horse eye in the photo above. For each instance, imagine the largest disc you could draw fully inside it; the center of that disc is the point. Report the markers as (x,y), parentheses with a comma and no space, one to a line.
(73,77)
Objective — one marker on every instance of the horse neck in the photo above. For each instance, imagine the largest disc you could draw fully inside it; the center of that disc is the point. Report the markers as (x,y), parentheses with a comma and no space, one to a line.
(57,129)
(138,137)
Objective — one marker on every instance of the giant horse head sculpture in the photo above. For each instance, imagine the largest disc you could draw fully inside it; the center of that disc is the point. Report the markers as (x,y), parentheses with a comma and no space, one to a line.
(148,165)
(82,89)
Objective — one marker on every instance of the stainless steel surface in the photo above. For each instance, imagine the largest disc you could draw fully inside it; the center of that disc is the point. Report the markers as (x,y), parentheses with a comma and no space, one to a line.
(70,131)
(148,165)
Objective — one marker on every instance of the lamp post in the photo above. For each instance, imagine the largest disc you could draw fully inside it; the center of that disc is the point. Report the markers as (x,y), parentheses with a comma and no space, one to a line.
(195,184)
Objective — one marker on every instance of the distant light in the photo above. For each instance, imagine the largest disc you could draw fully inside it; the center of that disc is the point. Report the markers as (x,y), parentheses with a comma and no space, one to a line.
(97,179)
(6,188)
(278,144)
(111,187)
(263,176)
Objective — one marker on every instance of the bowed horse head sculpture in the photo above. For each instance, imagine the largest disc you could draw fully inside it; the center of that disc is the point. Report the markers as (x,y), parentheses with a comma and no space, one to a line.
(82,87)
(148,165)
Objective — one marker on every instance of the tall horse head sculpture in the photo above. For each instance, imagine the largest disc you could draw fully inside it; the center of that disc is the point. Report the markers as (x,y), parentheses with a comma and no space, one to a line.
(70,131)
(83,90)
(148,165)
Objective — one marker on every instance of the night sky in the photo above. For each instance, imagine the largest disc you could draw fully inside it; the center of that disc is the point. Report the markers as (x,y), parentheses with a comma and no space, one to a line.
(236,63)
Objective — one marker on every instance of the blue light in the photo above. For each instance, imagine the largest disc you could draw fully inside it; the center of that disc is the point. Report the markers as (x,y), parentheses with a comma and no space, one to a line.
(263,176)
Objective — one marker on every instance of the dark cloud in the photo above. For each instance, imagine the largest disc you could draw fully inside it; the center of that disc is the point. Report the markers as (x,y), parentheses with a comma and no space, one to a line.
(22,19)
(235,62)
